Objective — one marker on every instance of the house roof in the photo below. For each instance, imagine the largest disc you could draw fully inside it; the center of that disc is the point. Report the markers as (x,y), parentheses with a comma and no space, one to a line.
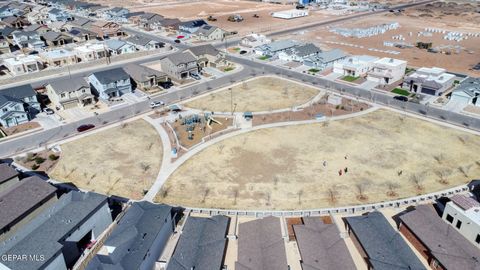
(6,31)
(464,202)
(470,86)
(278,45)
(80,21)
(19,92)
(111,75)
(69,85)
(201,245)
(328,56)
(206,30)
(305,50)
(261,246)
(6,171)
(44,234)
(193,23)
(203,50)
(52,35)
(141,73)
(115,44)
(34,27)
(23,197)
(77,31)
(384,246)
(181,58)
(6,99)
(445,243)
(321,246)
(133,237)
(140,40)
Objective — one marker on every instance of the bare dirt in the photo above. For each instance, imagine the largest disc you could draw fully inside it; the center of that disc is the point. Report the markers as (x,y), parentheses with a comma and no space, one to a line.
(388,156)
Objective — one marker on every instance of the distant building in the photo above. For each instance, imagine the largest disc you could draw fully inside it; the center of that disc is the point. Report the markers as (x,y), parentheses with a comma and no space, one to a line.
(275,47)
(53,38)
(254,40)
(56,14)
(431,81)
(290,14)
(324,59)
(145,44)
(118,47)
(299,53)
(463,214)
(190,27)
(70,93)
(58,58)
(355,66)
(90,52)
(387,71)
(209,32)
(110,83)
(23,64)
(208,56)
(466,93)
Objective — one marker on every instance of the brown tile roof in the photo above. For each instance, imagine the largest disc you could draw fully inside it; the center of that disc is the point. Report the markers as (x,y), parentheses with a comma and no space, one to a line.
(6,172)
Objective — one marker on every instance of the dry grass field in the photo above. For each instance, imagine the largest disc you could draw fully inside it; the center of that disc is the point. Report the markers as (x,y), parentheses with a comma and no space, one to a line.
(119,161)
(388,156)
(259,94)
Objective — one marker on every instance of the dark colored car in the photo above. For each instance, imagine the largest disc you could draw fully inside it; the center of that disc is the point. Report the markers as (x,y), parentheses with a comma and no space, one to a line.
(177,41)
(243,52)
(85,127)
(166,85)
(401,98)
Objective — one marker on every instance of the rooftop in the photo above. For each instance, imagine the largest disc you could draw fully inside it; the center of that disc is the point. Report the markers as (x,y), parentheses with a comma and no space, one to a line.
(7,172)
(390,62)
(69,84)
(181,58)
(141,73)
(470,86)
(18,92)
(111,75)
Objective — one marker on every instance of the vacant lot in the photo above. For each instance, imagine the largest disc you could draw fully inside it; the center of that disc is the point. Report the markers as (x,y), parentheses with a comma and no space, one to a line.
(388,156)
(260,94)
(119,161)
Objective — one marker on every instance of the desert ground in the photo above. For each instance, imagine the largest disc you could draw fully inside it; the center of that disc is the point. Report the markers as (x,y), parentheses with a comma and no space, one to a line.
(460,19)
(387,156)
(259,94)
(119,161)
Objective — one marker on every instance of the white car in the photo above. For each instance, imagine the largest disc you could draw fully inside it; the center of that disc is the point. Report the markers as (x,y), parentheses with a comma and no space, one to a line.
(155,104)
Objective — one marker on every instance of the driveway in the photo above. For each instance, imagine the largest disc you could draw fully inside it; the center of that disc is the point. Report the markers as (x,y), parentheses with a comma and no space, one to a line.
(368,85)
(47,121)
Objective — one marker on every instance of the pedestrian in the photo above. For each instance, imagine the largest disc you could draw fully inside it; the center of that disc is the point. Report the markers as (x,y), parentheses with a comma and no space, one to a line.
(340,172)
(346,170)
(324,163)
(346,157)
(400,173)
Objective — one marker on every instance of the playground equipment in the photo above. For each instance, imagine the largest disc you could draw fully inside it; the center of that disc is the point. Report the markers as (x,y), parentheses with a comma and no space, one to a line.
(191,121)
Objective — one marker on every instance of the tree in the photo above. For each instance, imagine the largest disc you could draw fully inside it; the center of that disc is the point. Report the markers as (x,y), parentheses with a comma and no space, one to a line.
(299,195)
(417,179)
(332,194)
(206,191)
(235,195)
(465,170)
(443,176)
(392,187)
(361,187)
(145,166)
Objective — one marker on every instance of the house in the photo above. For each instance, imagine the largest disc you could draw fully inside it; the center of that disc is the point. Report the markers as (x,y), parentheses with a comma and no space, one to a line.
(58,26)
(261,245)
(80,34)
(58,58)
(117,47)
(8,176)
(462,213)
(321,246)
(254,40)
(105,29)
(179,65)
(355,66)
(209,32)
(39,28)
(442,247)
(31,39)
(271,49)
(23,64)
(15,22)
(145,78)
(387,71)
(152,21)
(466,93)
(4,45)
(300,52)
(58,15)
(6,11)
(431,81)
(24,94)
(53,38)
(325,59)
(110,83)
(90,52)
(80,22)
(143,43)
(7,32)
(36,196)
(70,93)
(137,240)
(116,14)
(290,14)
(208,56)
(380,245)
(190,27)
(57,236)
(202,244)
(167,24)
(39,16)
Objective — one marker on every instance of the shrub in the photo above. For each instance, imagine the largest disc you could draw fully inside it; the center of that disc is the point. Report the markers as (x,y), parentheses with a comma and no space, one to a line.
(337,107)
(52,157)
(31,156)
(39,160)
(35,166)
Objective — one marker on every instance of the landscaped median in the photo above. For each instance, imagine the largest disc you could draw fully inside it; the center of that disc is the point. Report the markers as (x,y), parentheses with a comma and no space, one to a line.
(400,91)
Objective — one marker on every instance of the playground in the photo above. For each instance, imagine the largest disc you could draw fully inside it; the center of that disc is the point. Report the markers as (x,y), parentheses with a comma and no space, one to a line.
(120,161)
(378,156)
(258,94)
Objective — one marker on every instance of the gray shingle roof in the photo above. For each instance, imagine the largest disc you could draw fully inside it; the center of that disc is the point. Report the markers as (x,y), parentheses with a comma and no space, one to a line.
(261,246)
(52,35)
(328,56)
(133,237)
(384,246)
(305,50)
(202,244)
(141,73)
(6,172)
(182,58)
(5,99)
(69,84)
(445,243)
(470,86)
(44,234)
(203,50)
(25,196)
(111,75)
(321,246)
(140,40)
(19,92)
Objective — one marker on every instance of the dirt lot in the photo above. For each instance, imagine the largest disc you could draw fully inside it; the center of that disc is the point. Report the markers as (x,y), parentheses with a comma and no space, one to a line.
(413,20)
(388,156)
(119,161)
(259,94)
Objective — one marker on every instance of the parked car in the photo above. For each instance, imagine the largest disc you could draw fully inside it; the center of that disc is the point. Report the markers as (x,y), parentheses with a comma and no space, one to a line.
(177,41)
(48,111)
(85,127)
(155,104)
(195,76)
(166,85)
(243,52)
(401,98)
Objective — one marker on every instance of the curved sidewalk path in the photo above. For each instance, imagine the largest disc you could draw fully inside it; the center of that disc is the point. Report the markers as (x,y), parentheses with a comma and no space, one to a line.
(168,167)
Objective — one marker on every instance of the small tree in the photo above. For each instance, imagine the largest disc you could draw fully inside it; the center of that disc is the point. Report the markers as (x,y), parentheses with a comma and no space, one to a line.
(392,188)
(417,179)
(235,195)
(443,176)
(206,191)
(145,167)
(465,170)
(332,194)
(361,187)
(299,195)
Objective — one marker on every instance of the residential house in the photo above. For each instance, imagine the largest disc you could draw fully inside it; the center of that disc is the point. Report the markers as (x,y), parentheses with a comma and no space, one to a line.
(202,244)
(7,33)
(80,22)
(24,94)
(209,32)
(56,39)
(80,34)
(4,45)
(23,64)
(463,213)
(39,28)
(324,59)
(106,29)
(275,47)
(117,47)
(145,78)
(431,81)
(152,21)
(321,246)
(179,65)
(190,27)
(29,39)
(70,93)
(144,43)
(58,26)
(168,25)
(22,202)
(110,83)
(118,14)
(254,40)
(466,93)
(58,58)
(38,16)
(208,56)
(15,22)
(300,52)
(261,245)
(7,11)
(58,15)
(60,233)
(90,52)
(442,246)
(380,245)
(8,176)
(387,71)
(138,238)
(12,112)
(355,66)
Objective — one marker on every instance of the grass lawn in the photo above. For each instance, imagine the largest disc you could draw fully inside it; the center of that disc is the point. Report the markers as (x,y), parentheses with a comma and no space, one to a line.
(265,57)
(350,78)
(313,70)
(401,92)
(227,69)
(408,70)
